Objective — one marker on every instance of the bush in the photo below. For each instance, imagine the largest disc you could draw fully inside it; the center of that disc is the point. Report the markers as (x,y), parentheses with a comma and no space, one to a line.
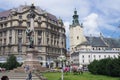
(108,66)
(11,63)
(93,67)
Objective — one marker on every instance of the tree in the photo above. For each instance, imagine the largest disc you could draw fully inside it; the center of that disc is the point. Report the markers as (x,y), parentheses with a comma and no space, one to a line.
(11,63)
(108,66)
(93,66)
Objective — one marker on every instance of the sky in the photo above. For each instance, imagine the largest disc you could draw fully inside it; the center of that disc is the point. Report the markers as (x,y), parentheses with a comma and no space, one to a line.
(97,16)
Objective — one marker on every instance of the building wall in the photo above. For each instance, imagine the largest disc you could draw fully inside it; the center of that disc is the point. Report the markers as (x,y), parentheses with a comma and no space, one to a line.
(76,36)
(85,57)
(49,35)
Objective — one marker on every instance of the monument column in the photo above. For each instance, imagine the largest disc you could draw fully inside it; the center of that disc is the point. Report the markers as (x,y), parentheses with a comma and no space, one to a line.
(31,53)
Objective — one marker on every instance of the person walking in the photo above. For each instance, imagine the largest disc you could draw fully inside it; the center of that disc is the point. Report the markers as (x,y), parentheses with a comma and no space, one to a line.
(29,76)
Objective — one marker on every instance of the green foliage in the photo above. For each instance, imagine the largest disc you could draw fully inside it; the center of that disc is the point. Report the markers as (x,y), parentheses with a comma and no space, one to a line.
(93,67)
(11,63)
(108,66)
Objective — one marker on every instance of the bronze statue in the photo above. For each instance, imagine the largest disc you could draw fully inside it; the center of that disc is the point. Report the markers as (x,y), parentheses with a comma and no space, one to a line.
(30,30)
(30,37)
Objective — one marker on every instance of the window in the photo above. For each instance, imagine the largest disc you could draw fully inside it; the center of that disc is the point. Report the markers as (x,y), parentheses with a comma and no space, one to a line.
(51,41)
(47,40)
(5,24)
(62,43)
(77,37)
(39,41)
(20,23)
(4,33)
(4,41)
(82,56)
(19,45)
(88,56)
(99,56)
(0,41)
(83,61)
(19,32)
(47,34)
(39,18)
(10,32)
(10,39)
(0,34)
(20,16)
(1,25)
(104,56)
(3,50)
(28,24)
(99,49)
(89,61)
(39,33)
(40,58)
(114,56)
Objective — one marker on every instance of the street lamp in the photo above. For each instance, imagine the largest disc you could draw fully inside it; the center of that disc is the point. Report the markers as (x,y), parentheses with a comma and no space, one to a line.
(62,59)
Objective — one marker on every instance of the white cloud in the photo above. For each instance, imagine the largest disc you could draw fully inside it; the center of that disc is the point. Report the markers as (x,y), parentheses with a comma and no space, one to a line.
(97,15)
(67,28)
(91,25)
(67,33)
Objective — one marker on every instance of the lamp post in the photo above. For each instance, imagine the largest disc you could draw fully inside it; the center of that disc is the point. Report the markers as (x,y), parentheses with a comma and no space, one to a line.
(62,59)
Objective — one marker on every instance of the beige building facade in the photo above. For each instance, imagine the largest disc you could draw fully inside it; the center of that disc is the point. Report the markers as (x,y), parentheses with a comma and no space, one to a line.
(49,34)
(76,32)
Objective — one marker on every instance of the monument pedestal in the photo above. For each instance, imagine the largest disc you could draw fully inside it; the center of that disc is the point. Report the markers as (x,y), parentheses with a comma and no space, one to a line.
(32,61)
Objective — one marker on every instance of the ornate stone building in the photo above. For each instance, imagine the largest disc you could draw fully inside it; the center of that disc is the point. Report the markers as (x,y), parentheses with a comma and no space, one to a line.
(85,49)
(50,38)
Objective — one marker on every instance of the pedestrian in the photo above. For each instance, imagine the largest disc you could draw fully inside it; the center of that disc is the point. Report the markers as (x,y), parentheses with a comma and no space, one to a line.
(26,68)
(29,76)
(4,78)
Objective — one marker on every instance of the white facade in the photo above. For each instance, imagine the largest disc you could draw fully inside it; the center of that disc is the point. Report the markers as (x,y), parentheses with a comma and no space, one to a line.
(85,57)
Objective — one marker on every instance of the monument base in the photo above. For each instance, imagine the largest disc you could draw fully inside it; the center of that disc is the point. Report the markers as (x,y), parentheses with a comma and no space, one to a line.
(32,62)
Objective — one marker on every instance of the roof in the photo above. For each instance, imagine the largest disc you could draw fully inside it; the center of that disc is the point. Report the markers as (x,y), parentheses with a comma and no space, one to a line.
(96,41)
(112,42)
(5,13)
(101,42)
(52,17)
(84,43)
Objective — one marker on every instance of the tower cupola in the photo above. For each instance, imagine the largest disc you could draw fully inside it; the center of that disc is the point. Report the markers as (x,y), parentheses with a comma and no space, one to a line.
(75,21)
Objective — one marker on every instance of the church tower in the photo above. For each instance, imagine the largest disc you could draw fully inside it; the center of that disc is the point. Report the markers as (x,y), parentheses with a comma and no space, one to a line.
(76,32)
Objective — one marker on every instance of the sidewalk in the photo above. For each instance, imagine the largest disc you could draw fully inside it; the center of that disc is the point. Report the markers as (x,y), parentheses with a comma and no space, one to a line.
(17,76)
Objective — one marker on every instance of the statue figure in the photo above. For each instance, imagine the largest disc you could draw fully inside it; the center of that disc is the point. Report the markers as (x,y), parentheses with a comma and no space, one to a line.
(30,30)
(30,37)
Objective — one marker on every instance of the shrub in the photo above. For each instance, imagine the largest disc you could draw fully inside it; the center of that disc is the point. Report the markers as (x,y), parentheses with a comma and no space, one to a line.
(108,66)
(11,63)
